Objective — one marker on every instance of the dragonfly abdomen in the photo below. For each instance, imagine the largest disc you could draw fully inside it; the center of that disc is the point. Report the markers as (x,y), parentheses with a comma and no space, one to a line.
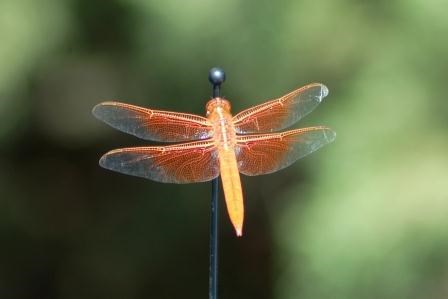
(233,192)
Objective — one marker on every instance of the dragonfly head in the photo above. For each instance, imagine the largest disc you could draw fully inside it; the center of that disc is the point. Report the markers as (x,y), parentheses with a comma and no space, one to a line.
(215,103)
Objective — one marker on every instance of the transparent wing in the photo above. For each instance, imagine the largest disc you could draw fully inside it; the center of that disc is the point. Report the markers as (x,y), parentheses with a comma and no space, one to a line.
(280,113)
(182,163)
(267,153)
(164,126)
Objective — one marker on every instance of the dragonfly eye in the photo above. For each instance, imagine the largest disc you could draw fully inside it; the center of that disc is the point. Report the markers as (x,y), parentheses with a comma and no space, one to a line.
(217,102)
(225,104)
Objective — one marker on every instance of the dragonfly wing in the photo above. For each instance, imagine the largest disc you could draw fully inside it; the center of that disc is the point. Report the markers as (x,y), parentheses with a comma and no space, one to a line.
(181,163)
(267,153)
(157,125)
(280,113)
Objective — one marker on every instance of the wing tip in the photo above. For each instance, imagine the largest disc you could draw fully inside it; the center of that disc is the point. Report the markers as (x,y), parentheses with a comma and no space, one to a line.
(106,159)
(324,91)
(319,90)
(329,134)
(102,161)
(95,110)
(99,108)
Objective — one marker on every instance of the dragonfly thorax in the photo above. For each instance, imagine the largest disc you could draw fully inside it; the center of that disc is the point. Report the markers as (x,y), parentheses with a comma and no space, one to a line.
(218,113)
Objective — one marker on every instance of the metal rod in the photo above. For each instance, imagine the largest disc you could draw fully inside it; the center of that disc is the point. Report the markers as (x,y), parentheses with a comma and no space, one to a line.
(214,209)
(216,77)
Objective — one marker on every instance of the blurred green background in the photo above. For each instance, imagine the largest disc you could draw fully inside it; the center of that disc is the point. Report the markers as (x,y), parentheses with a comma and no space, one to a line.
(365,217)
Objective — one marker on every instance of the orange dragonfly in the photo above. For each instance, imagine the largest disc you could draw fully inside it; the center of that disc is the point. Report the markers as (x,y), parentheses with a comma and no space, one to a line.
(219,144)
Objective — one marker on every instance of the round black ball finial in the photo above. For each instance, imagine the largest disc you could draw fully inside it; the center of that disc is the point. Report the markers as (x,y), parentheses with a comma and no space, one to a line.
(216,76)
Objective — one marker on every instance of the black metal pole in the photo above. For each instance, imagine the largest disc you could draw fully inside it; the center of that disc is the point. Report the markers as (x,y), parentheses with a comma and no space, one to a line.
(216,77)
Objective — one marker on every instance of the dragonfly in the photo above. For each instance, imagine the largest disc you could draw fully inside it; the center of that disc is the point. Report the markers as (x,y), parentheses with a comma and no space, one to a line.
(218,144)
